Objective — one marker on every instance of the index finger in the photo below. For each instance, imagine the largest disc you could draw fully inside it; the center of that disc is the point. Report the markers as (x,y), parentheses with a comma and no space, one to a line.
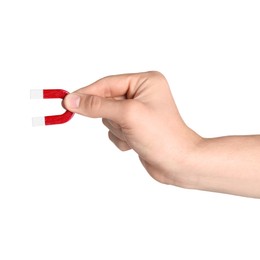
(115,86)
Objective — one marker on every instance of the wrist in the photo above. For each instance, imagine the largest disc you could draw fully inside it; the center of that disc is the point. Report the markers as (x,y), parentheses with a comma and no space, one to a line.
(183,166)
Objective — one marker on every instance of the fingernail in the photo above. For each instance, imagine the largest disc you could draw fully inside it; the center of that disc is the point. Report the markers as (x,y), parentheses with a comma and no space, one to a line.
(72,101)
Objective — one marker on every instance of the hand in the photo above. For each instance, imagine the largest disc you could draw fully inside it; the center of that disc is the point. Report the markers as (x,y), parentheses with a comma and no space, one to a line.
(140,113)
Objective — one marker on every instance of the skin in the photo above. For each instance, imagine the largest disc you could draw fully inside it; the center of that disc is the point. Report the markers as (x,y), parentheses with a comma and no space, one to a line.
(140,114)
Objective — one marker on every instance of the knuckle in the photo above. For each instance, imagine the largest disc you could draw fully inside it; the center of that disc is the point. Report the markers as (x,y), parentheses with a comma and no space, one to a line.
(123,146)
(156,74)
(154,78)
(93,104)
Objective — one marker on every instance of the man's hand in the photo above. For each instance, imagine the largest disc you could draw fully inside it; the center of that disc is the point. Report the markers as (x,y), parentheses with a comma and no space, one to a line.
(140,113)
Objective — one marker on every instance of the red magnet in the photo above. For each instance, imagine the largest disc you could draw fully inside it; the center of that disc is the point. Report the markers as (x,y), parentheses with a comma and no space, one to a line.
(55,119)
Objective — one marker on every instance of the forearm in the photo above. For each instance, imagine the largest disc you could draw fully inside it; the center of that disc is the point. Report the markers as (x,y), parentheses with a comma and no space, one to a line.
(228,164)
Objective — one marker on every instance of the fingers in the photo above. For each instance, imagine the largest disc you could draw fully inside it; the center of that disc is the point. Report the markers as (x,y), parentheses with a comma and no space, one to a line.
(114,128)
(120,86)
(111,86)
(120,111)
(104,97)
(115,135)
(121,145)
(93,106)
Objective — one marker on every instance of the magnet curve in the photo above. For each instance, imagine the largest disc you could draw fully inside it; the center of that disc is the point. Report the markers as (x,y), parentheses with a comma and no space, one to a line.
(46,94)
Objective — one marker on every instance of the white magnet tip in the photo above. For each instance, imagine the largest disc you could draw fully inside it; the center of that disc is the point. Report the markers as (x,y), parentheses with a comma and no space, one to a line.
(36,93)
(38,121)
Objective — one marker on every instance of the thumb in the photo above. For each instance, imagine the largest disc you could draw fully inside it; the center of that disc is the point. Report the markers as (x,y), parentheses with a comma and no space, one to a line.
(94,106)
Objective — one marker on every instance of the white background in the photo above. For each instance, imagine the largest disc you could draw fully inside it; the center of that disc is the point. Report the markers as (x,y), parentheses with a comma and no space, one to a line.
(65,191)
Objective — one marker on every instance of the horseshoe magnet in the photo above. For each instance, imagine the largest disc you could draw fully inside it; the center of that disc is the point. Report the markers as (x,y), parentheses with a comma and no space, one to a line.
(55,119)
